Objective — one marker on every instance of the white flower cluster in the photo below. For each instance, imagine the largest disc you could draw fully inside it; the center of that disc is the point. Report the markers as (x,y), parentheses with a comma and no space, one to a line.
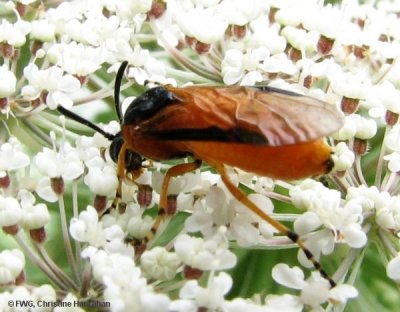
(67,54)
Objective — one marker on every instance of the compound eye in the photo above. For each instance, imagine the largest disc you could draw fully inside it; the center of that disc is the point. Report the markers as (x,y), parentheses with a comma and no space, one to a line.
(115,148)
(133,161)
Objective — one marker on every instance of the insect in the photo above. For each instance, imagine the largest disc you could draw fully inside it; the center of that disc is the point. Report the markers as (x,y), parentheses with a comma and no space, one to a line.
(267,131)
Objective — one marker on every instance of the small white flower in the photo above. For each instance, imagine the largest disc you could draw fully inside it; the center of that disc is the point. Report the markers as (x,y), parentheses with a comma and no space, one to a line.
(45,190)
(200,185)
(117,266)
(240,13)
(289,277)
(115,241)
(34,216)
(42,30)
(245,67)
(11,156)
(210,254)
(393,268)
(319,19)
(10,211)
(8,82)
(315,290)
(125,289)
(369,198)
(326,68)
(138,226)
(278,63)
(392,139)
(315,293)
(365,128)
(89,148)
(64,163)
(232,66)
(349,85)
(177,185)
(76,58)
(14,34)
(210,297)
(393,160)
(301,195)
(102,180)
(348,130)
(133,297)
(221,209)
(269,38)
(388,216)
(59,15)
(86,31)
(192,23)
(289,16)
(383,96)
(393,74)
(160,264)
(52,80)
(343,220)
(129,9)
(342,156)
(87,228)
(300,39)
(264,185)
(352,36)
(341,293)
(12,263)
(144,66)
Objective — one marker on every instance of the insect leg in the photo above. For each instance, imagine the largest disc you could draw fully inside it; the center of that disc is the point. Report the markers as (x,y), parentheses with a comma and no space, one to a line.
(241,197)
(172,172)
(120,175)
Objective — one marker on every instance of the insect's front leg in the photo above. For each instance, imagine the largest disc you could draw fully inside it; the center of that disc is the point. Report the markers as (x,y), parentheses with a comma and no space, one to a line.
(175,171)
(120,174)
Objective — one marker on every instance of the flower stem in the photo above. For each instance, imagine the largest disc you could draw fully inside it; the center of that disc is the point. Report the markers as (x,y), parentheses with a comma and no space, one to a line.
(379,166)
(66,238)
(75,211)
(52,266)
(39,262)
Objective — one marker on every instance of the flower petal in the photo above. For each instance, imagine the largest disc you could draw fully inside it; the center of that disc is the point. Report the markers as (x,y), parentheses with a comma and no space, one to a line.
(289,277)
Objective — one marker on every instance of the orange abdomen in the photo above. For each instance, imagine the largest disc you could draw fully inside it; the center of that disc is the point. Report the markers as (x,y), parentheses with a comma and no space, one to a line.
(289,162)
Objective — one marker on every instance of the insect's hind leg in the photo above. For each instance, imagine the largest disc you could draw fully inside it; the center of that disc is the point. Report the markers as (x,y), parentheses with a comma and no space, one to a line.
(172,172)
(241,197)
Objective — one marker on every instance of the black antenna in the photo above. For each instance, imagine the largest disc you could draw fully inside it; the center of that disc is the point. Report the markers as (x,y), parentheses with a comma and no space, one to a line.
(117,89)
(85,122)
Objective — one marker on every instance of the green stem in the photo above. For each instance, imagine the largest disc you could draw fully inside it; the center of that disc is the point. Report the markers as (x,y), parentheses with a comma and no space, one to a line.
(66,238)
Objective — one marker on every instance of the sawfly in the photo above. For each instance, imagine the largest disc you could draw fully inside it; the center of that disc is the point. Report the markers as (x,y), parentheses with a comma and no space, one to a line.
(263,130)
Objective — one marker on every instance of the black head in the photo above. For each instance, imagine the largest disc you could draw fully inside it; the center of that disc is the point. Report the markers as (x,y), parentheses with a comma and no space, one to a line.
(147,105)
(133,160)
